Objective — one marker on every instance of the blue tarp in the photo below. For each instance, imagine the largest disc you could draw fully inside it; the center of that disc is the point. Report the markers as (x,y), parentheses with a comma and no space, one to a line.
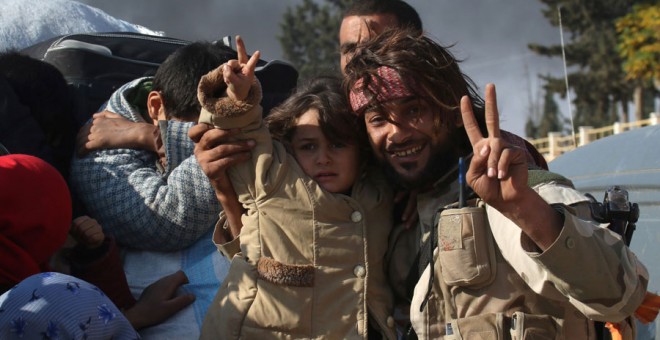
(631,160)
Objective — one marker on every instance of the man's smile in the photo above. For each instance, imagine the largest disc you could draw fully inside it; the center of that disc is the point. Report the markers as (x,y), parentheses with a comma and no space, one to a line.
(406,152)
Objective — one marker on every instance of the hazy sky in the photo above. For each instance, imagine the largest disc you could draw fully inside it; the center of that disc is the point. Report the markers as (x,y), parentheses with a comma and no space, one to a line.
(491,35)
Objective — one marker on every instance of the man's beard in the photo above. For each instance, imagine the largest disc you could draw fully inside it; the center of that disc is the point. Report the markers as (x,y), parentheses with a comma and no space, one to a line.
(440,162)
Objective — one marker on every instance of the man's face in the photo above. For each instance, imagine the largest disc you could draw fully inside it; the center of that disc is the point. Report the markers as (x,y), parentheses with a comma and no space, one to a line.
(404,137)
(355,29)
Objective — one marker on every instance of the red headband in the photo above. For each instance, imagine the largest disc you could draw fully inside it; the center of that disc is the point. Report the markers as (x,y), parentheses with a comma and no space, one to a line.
(390,87)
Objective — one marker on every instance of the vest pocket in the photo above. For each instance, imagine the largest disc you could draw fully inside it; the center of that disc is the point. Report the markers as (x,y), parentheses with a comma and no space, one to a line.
(535,327)
(466,248)
(489,326)
(283,302)
(497,326)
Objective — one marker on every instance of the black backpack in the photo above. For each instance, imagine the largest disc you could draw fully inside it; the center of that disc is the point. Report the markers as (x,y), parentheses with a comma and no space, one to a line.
(96,64)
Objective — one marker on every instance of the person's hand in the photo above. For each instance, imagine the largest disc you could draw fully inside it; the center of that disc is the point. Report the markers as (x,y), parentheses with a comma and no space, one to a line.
(87,231)
(498,171)
(159,301)
(216,151)
(109,130)
(239,74)
(498,175)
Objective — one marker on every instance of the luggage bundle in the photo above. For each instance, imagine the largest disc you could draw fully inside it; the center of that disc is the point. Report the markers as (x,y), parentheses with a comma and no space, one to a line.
(96,64)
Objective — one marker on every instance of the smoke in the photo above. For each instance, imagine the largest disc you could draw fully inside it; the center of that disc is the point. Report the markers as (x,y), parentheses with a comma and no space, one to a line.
(257,21)
(491,36)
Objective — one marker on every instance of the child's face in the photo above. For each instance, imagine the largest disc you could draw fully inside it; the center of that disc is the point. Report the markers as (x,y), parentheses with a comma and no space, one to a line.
(333,166)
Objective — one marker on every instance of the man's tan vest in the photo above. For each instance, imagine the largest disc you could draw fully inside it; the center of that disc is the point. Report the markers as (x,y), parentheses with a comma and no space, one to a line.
(475,294)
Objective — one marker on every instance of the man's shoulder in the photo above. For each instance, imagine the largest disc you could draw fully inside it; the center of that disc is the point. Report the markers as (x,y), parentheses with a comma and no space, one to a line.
(539,176)
(554,188)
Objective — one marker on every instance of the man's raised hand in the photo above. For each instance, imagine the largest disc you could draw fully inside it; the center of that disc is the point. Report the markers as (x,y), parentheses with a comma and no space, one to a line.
(498,171)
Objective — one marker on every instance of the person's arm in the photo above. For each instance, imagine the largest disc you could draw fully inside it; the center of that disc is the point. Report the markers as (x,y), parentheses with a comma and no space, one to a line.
(109,130)
(233,210)
(498,175)
(235,110)
(547,244)
(140,206)
(226,153)
(143,209)
(587,264)
(95,259)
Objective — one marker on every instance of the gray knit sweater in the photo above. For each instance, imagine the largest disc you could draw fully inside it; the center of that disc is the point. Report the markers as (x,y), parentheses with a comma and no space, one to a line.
(142,206)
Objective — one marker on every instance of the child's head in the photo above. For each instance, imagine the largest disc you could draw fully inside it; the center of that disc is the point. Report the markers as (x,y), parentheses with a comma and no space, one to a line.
(317,126)
(177,77)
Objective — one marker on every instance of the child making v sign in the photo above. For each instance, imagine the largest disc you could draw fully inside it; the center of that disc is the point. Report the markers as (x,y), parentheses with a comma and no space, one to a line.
(317,218)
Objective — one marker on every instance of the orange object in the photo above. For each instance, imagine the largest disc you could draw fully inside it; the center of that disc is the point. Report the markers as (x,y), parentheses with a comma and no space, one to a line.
(648,310)
(646,313)
(615,330)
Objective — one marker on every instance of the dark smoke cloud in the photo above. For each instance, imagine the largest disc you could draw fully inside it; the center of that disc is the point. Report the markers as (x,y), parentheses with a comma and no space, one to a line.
(256,21)
(491,36)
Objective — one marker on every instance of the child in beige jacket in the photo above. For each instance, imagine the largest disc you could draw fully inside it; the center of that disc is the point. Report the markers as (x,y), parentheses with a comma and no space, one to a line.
(314,233)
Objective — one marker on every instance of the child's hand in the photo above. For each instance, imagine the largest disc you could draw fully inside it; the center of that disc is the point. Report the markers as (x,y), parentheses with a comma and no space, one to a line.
(239,74)
(87,232)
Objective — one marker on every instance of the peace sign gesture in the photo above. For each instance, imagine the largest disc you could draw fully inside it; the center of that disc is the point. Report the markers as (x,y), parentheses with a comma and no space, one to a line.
(498,171)
(239,74)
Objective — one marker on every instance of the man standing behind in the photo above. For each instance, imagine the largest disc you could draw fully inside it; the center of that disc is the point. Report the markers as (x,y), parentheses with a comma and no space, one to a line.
(368,18)
(502,263)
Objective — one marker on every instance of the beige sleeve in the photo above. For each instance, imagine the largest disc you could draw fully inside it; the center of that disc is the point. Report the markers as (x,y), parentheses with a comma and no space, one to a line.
(253,180)
(588,265)
(227,249)
(223,112)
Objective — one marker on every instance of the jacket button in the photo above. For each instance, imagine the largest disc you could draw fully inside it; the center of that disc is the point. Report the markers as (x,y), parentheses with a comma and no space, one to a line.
(359,271)
(570,243)
(390,322)
(356,216)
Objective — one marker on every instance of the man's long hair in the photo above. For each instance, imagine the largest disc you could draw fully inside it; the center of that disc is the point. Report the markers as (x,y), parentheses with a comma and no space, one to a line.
(425,67)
